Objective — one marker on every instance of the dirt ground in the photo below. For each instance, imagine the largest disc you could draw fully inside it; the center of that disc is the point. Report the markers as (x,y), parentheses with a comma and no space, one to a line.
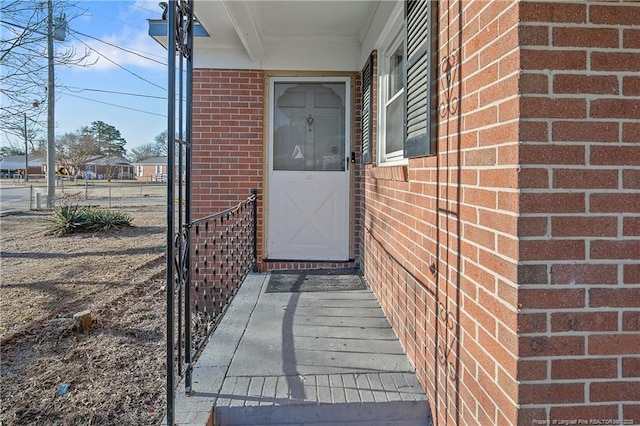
(52,373)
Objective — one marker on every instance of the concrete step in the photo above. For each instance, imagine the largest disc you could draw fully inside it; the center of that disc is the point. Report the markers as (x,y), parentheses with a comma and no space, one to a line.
(406,413)
(374,398)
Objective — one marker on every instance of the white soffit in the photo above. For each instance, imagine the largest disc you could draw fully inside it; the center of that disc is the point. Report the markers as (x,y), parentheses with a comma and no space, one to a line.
(257,33)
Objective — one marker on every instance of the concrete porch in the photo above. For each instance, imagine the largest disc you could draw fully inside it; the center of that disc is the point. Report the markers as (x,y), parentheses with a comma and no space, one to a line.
(320,358)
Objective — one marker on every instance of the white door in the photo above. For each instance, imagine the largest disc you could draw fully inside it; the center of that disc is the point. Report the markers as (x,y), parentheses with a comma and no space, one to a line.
(308,186)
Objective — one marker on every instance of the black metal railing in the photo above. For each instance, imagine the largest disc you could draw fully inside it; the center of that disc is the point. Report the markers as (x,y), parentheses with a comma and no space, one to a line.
(212,257)
(223,252)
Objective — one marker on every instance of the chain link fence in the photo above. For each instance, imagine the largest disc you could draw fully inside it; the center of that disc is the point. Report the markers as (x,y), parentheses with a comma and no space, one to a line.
(25,197)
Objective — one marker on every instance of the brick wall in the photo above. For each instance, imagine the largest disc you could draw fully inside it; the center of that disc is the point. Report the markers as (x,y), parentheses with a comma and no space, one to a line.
(440,233)
(580,212)
(228,134)
(228,114)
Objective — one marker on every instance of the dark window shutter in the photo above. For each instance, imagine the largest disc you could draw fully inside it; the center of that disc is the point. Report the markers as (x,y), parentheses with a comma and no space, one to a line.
(366,111)
(421,105)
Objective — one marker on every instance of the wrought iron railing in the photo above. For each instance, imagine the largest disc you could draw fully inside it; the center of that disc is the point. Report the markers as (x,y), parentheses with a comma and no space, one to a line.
(223,252)
(212,257)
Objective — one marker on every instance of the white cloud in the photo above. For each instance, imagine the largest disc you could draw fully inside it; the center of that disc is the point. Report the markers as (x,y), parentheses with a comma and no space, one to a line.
(125,41)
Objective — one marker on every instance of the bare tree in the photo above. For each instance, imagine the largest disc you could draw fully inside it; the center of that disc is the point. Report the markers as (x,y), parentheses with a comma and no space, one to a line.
(74,150)
(162,142)
(23,53)
(147,150)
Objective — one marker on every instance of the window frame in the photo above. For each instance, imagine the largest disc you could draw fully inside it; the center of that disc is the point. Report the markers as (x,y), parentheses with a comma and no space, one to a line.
(395,39)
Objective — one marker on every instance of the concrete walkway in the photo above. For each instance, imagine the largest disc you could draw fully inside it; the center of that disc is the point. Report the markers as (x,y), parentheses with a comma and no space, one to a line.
(320,358)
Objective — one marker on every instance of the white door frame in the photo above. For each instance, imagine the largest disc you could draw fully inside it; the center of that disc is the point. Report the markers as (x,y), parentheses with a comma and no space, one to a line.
(345,230)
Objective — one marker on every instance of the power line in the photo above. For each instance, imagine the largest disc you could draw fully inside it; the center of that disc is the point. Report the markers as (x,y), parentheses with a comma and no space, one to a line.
(118,47)
(81,89)
(117,106)
(118,65)
(148,10)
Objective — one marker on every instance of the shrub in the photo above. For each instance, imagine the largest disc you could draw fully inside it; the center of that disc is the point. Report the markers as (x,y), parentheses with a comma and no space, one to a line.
(69,219)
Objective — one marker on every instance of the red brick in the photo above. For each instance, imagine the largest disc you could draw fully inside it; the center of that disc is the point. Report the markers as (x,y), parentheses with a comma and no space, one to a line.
(591,226)
(534,84)
(631,132)
(529,177)
(532,274)
(631,39)
(631,367)
(614,297)
(615,108)
(559,393)
(615,15)
(532,416)
(498,221)
(631,412)
(615,155)
(537,59)
(547,154)
(559,202)
(631,179)
(614,344)
(532,370)
(482,79)
(546,107)
(584,274)
(552,249)
(631,321)
(585,131)
(483,237)
(614,203)
(584,321)
(480,157)
(551,298)
(631,226)
(625,249)
(498,178)
(585,84)
(631,86)
(585,37)
(614,391)
(532,226)
(552,12)
(581,368)
(480,118)
(631,274)
(529,35)
(585,178)
(533,131)
(532,323)
(499,90)
(584,412)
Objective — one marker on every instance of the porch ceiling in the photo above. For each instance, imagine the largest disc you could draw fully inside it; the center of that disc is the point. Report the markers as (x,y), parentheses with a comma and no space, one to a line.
(262,29)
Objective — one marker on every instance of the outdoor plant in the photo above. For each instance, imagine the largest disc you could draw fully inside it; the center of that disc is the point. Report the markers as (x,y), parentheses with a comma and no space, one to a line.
(72,219)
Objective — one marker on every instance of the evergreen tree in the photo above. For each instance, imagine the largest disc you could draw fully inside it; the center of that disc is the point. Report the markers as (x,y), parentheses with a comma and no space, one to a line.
(107,137)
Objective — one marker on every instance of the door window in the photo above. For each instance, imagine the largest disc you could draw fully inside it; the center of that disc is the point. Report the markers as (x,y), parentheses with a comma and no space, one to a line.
(309,126)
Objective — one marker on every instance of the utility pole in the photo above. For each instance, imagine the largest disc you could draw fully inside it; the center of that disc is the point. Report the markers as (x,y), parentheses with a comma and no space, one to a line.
(51,98)
(26,151)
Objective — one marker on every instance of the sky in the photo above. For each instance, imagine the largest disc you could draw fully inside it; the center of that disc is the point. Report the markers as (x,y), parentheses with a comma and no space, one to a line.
(122,89)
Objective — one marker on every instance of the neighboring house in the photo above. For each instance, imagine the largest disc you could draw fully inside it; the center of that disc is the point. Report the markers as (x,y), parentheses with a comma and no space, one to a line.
(499,228)
(152,169)
(105,167)
(12,165)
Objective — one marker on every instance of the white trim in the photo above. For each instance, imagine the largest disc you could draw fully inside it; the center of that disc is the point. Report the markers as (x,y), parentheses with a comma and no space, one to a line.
(391,39)
(245,27)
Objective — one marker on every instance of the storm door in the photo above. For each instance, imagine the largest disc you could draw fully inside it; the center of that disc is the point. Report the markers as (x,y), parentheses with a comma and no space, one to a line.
(308,169)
